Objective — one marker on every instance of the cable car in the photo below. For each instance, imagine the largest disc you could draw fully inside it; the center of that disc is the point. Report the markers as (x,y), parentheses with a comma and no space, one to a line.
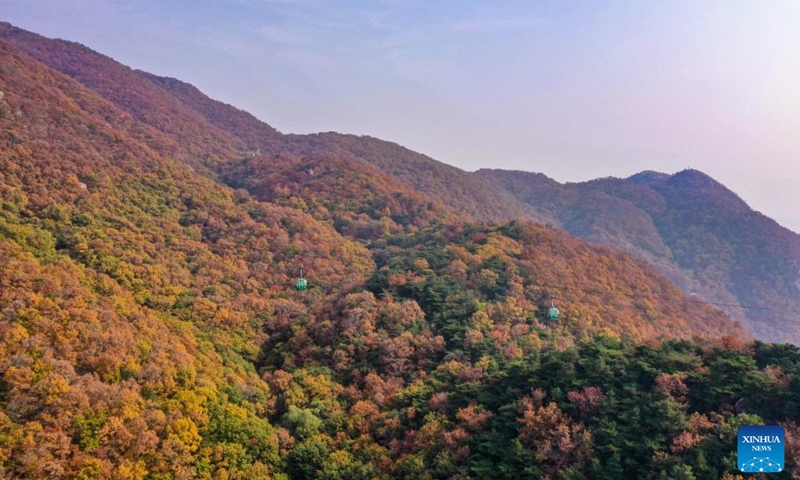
(552,312)
(302,283)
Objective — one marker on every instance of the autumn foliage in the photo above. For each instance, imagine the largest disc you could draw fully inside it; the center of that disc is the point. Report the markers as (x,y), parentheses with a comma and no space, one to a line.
(149,326)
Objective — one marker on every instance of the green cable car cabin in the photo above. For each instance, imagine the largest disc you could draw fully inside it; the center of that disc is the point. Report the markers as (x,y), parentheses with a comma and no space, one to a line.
(552,312)
(302,283)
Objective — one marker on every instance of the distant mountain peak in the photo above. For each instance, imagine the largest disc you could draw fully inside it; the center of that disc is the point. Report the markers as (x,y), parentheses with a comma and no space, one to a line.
(689,177)
(692,177)
(647,176)
(701,183)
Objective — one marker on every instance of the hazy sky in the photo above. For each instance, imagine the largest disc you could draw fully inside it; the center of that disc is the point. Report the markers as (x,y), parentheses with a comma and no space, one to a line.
(575,90)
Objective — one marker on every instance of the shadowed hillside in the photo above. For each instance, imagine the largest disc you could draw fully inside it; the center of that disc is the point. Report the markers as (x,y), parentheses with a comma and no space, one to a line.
(691,228)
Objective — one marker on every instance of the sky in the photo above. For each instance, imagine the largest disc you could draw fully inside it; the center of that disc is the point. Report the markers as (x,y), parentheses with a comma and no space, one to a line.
(573,89)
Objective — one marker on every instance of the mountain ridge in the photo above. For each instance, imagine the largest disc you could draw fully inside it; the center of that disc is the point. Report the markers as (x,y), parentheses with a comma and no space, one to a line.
(153,147)
(234,133)
(693,228)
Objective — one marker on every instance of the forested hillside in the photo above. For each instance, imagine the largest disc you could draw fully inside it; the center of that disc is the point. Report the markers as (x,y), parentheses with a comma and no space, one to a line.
(694,231)
(134,293)
(699,233)
(150,329)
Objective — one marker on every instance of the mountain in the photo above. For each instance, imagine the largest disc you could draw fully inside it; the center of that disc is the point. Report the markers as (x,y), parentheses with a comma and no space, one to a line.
(95,141)
(732,256)
(450,185)
(133,291)
(150,329)
(606,211)
(692,228)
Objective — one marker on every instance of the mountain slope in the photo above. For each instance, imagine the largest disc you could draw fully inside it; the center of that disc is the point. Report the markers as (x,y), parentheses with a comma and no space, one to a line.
(360,200)
(689,226)
(207,134)
(611,213)
(187,136)
(452,186)
(97,152)
(400,188)
(133,292)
